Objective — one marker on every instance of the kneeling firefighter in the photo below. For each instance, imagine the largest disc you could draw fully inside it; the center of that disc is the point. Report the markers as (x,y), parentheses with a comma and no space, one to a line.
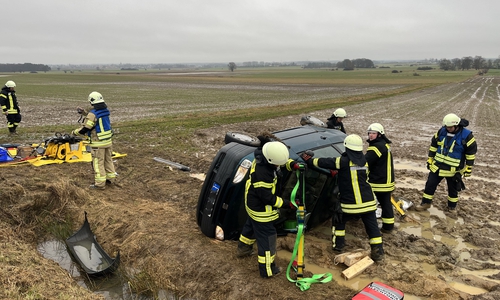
(262,205)
(97,129)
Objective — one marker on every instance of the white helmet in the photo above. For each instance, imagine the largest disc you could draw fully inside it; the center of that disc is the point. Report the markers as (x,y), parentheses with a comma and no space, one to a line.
(276,153)
(353,142)
(451,120)
(95,98)
(340,113)
(10,84)
(376,127)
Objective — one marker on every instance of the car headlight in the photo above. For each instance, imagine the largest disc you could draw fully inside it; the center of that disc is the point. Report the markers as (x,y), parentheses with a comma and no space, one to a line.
(242,171)
(219,233)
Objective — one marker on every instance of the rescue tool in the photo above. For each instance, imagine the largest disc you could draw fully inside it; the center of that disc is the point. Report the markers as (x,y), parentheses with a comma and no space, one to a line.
(297,260)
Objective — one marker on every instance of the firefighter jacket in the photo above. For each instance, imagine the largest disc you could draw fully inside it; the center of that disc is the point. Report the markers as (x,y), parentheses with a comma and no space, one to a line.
(332,123)
(8,101)
(380,165)
(450,153)
(97,127)
(356,195)
(261,201)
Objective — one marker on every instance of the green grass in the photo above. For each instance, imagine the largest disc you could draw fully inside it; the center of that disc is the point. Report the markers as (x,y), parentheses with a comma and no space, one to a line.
(179,104)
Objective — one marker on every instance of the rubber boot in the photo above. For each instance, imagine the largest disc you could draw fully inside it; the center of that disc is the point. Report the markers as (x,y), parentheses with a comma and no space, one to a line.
(377,253)
(338,243)
(244,249)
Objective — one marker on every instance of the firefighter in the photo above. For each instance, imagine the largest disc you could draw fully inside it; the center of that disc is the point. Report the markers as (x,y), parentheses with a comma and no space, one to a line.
(335,121)
(10,107)
(451,155)
(356,196)
(97,129)
(262,204)
(381,172)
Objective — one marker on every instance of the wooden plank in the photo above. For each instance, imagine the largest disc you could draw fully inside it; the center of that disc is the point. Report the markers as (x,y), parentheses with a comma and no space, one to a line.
(357,268)
(340,258)
(353,258)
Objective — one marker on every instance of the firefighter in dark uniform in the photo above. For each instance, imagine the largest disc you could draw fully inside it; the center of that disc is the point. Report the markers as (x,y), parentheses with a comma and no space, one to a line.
(262,204)
(356,196)
(10,107)
(381,172)
(451,156)
(97,129)
(335,121)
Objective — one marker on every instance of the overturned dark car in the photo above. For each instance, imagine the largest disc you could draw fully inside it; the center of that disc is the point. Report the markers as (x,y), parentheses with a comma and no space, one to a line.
(221,213)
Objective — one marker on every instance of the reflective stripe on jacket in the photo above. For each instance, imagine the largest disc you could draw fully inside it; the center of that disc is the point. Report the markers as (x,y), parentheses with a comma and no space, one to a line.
(356,195)
(261,202)
(381,166)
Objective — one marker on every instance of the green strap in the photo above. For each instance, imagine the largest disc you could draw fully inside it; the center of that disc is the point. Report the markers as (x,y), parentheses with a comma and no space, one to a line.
(303,283)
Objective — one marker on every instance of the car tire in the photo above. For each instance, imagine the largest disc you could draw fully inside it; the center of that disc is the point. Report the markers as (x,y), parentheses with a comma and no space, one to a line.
(241,138)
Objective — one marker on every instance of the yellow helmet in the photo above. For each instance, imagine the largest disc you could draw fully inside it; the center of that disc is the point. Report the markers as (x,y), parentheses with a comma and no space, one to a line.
(353,142)
(451,120)
(10,84)
(340,113)
(95,98)
(376,127)
(276,153)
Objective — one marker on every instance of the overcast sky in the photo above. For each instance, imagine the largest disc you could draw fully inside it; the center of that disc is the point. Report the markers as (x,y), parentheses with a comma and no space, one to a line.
(184,31)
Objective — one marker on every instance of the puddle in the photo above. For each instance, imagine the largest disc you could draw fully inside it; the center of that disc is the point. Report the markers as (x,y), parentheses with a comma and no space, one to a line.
(112,287)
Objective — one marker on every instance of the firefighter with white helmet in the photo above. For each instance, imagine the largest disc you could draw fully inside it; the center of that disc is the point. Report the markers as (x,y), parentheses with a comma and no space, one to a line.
(97,129)
(356,196)
(381,175)
(335,121)
(262,204)
(10,106)
(451,155)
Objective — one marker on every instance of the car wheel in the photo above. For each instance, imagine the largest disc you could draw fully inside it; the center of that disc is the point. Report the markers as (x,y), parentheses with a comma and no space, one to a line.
(241,138)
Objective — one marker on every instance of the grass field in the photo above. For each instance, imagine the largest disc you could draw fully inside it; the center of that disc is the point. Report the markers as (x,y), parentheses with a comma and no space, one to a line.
(184,96)
(182,115)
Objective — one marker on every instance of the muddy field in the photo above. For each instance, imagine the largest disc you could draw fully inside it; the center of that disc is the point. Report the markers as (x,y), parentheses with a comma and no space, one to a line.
(150,215)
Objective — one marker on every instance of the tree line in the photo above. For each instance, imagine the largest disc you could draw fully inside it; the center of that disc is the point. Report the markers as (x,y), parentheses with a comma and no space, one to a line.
(26,67)
(469,62)
(346,64)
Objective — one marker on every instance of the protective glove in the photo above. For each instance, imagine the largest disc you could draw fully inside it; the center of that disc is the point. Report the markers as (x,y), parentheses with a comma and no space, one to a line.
(430,161)
(80,110)
(466,171)
(294,165)
(75,132)
(334,173)
(307,157)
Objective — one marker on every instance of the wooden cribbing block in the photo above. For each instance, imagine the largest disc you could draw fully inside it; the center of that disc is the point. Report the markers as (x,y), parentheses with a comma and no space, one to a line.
(340,258)
(357,268)
(353,258)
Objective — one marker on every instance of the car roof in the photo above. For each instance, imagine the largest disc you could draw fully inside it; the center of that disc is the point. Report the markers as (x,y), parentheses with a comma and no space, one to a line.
(308,137)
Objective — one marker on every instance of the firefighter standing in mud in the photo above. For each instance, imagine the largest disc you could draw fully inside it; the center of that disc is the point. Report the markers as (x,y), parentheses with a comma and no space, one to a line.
(356,196)
(97,128)
(451,155)
(381,172)
(335,121)
(10,107)
(262,205)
